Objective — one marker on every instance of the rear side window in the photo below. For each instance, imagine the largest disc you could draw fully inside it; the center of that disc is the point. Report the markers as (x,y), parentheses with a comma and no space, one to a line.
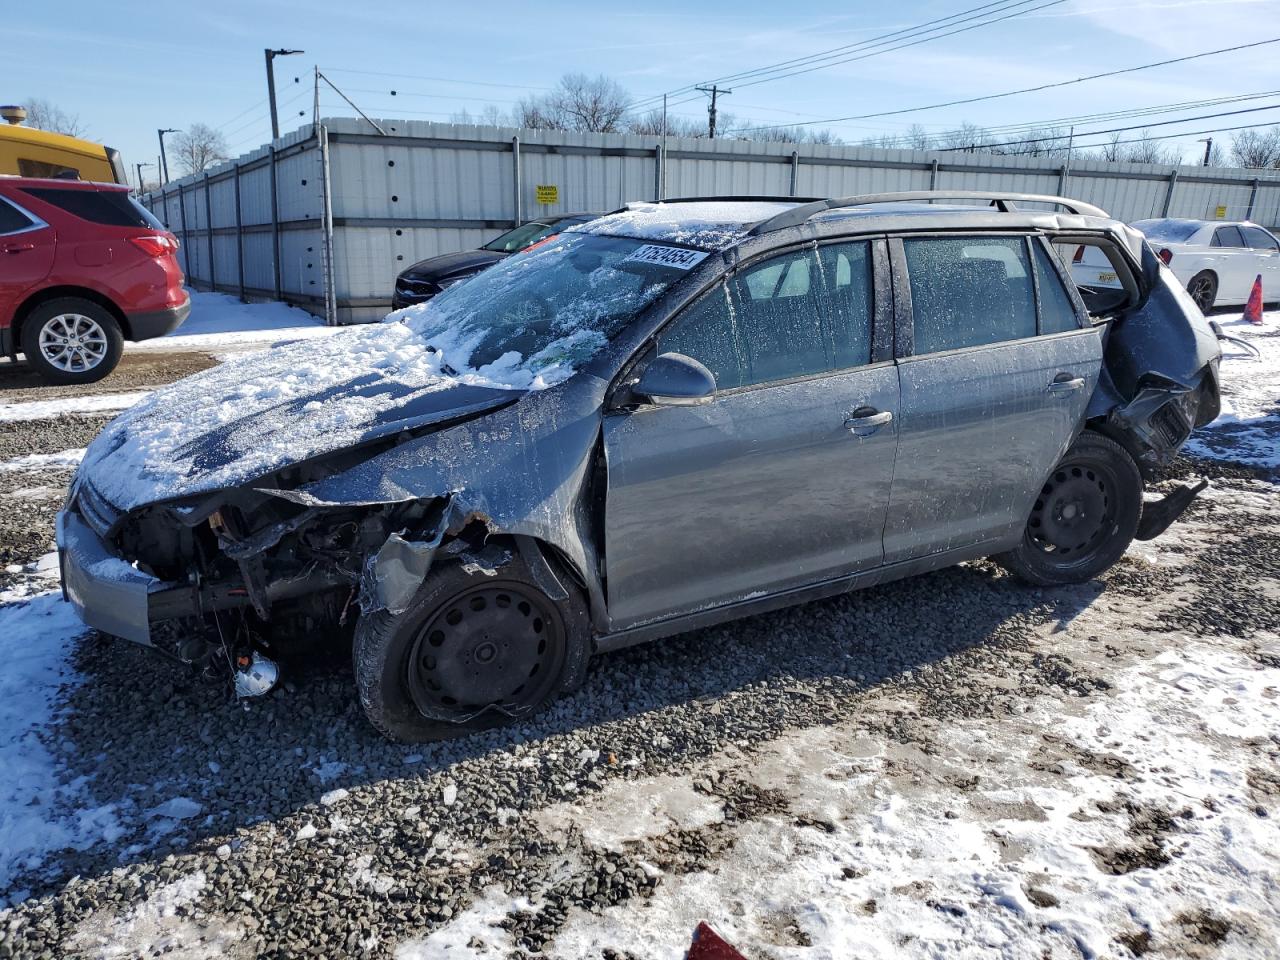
(113,208)
(1227,237)
(801,313)
(11,219)
(1259,239)
(969,291)
(1057,312)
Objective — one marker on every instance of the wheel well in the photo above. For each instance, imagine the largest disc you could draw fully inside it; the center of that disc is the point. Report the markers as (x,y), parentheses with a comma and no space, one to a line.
(1124,438)
(53,293)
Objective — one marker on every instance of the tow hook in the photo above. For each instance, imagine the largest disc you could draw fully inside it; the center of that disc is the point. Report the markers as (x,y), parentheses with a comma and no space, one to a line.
(255,675)
(1158,516)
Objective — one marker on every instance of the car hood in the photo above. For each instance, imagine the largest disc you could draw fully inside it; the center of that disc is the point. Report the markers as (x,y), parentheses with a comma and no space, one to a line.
(259,414)
(450,265)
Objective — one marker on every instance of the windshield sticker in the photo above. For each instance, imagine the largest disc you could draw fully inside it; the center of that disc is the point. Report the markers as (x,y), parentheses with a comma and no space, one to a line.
(676,257)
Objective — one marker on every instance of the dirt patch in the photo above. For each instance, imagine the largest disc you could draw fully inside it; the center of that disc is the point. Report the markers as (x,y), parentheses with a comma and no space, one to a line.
(1149,829)
(19,383)
(1203,927)
(1137,943)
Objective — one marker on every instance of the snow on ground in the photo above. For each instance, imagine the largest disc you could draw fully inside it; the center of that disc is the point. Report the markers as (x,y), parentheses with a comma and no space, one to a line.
(219,320)
(64,406)
(43,461)
(38,812)
(1248,429)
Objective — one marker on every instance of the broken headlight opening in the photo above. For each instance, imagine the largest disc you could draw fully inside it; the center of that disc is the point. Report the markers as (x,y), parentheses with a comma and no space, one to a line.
(254,565)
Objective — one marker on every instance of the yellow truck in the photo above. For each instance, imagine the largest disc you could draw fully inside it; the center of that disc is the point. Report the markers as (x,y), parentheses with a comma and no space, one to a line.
(27,152)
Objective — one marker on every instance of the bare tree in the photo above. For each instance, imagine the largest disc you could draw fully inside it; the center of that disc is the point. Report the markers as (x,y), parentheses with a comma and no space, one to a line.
(651,124)
(199,147)
(490,116)
(44,115)
(1256,148)
(1146,149)
(578,102)
(967,136)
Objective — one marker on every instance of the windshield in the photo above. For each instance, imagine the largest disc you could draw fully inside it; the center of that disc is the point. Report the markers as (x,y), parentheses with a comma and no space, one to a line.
(521,237)
(1170,231)
(544,312)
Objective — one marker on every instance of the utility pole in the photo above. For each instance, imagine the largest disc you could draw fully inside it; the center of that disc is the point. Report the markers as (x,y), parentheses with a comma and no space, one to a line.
(164,160)
(711,110)
(138,167)
(1208,148)
(271,86)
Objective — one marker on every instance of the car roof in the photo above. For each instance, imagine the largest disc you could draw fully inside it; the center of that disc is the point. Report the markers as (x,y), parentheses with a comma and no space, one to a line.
(718,223)
(1199,224)
(58,183)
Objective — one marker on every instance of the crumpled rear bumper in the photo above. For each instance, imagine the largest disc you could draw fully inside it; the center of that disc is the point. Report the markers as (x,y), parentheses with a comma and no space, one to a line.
(107,593)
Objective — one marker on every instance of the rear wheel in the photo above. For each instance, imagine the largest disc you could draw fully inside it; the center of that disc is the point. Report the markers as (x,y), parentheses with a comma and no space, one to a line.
(1203,288)
(472,651)
(70,340)
(1084,517)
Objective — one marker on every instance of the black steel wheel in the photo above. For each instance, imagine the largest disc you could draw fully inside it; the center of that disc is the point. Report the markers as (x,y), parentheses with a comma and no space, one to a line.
(1203,288)
(1084,516)
(472,651)
(498,645)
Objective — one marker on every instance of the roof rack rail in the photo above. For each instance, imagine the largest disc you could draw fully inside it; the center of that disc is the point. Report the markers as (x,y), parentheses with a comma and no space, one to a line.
(1001,201)
(759,198)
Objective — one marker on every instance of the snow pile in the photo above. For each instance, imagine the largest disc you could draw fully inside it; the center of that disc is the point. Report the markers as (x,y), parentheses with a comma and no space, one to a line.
(36,806)
(1248,429)
(710,224)
(221,320)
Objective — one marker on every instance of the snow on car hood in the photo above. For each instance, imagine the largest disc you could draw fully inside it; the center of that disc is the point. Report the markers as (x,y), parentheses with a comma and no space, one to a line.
(260,413)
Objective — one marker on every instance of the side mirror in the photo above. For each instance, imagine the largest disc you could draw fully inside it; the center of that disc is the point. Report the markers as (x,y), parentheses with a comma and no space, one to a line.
(674,380)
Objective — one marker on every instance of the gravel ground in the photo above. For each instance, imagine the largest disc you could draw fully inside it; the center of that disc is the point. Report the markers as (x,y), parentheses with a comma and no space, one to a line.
(18,382)
(285,827)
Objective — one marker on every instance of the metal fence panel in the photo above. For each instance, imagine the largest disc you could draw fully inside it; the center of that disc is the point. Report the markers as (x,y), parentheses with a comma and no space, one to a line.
(431,188)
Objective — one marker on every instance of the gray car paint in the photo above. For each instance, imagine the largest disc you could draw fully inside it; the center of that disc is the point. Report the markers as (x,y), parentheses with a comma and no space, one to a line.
(527,469)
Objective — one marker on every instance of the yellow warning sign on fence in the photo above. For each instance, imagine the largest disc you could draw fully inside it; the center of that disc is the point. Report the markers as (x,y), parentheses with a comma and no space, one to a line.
(548,193)
(1218,214)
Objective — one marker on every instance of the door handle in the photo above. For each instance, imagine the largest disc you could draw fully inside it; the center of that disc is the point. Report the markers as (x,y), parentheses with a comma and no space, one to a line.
(18,247)
(1066,383)
(865,421)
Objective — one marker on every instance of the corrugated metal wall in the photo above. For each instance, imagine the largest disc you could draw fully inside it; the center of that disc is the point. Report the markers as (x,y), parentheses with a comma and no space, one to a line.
(429,188)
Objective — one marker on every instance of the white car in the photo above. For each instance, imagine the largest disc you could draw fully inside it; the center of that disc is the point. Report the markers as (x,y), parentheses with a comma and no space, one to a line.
(1217,261)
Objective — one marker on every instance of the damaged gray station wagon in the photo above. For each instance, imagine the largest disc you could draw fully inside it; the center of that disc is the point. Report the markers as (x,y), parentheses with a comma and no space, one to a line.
(678,414)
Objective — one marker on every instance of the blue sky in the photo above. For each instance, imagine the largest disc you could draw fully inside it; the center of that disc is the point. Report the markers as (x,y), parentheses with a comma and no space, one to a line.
(126,68)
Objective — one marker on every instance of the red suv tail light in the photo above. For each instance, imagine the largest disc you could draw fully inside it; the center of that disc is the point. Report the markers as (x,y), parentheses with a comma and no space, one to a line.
(155,245)
(1166,255)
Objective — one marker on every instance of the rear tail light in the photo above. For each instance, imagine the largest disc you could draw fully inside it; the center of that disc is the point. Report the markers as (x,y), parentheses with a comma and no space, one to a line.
(155,245)
(1166,255)
(1079,257)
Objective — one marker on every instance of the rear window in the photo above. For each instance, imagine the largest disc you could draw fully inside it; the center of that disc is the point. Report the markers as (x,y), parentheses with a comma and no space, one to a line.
(45,170)
(112,208)
(969,292)
(1170,231)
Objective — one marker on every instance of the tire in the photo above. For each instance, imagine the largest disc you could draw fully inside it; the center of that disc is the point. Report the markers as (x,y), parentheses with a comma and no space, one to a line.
(70,340)
(435,670)
(1203,288)
(1084,518)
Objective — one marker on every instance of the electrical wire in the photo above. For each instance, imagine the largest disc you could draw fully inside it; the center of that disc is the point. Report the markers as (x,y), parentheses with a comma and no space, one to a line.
(1035,89)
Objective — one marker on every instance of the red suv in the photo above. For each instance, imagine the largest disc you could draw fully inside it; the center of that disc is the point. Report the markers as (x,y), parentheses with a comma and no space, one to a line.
(83,267)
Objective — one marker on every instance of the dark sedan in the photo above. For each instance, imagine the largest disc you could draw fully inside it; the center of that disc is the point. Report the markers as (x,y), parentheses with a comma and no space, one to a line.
(422,281)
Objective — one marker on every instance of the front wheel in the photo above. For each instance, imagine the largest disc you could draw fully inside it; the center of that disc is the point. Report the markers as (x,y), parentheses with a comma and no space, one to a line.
(472,651)
(1084,517)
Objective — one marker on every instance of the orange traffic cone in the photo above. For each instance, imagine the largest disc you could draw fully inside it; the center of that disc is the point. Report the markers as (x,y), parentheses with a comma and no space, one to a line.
(1253,309)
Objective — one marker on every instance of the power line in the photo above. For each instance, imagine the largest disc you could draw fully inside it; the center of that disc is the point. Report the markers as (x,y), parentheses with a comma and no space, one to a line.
(1140,126)
(1036,89)
(926,27)
(1035,125)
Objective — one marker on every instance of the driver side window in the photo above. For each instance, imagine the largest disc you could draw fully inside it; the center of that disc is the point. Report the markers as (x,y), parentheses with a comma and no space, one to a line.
(772,320)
